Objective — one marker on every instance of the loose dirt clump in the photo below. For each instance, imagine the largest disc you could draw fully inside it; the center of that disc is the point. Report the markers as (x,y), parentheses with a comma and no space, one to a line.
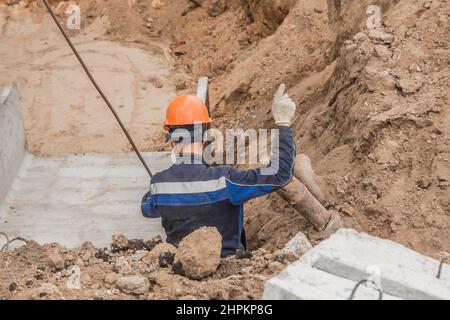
(199,253)
(122,243)
(51,271)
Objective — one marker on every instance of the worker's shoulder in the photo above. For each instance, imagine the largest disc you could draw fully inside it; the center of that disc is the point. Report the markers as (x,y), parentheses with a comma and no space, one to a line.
(162,176)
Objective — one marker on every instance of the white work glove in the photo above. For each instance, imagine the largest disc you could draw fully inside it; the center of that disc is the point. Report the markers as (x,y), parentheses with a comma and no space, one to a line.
(283,108)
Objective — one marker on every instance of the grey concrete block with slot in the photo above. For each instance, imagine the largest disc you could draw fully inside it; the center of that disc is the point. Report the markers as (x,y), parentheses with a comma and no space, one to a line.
(332,269)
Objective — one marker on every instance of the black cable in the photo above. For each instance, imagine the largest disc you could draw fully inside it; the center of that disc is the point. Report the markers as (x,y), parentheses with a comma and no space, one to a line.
(135,148)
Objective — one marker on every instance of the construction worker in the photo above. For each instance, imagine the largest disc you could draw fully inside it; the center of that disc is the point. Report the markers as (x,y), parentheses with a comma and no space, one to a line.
(188,196)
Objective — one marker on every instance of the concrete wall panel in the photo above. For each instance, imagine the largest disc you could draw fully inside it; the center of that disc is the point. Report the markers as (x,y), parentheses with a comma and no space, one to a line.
(12,138)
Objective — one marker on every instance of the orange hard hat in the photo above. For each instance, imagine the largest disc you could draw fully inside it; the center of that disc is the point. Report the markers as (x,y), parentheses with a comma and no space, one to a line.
(186,110)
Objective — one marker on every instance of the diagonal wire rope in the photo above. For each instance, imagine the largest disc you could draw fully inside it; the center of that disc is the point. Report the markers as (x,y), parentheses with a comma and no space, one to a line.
(97,87)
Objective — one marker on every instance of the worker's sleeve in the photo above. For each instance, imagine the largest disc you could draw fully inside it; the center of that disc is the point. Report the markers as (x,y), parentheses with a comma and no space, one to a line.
(147,206)
(243,185)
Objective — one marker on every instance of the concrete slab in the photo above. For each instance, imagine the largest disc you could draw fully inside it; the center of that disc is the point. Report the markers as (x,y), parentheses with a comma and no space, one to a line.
(348,257)
(306,283)
(74,198)
(69,199)
(12,138)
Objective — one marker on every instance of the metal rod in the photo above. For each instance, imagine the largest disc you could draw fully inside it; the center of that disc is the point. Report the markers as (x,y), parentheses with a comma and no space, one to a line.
(377,287)
(122,126)
(441,264)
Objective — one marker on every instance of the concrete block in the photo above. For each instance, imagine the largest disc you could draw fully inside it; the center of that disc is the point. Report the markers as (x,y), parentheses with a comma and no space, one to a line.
(351,256)
(71,199)
(298,245)
(301,282)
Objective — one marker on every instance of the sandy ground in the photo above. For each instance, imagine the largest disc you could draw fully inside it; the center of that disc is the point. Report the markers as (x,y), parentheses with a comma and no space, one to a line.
(130,270)
(63,113)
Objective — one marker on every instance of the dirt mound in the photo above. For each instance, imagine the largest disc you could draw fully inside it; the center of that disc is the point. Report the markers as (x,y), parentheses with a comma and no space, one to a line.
(53,272)
(373,121)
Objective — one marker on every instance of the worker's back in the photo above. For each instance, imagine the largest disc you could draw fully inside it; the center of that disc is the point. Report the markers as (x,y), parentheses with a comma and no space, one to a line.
(189,196)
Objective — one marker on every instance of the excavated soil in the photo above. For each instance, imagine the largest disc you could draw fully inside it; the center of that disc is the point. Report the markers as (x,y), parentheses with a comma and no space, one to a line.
(373,112)
(128,270)
(63,113)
